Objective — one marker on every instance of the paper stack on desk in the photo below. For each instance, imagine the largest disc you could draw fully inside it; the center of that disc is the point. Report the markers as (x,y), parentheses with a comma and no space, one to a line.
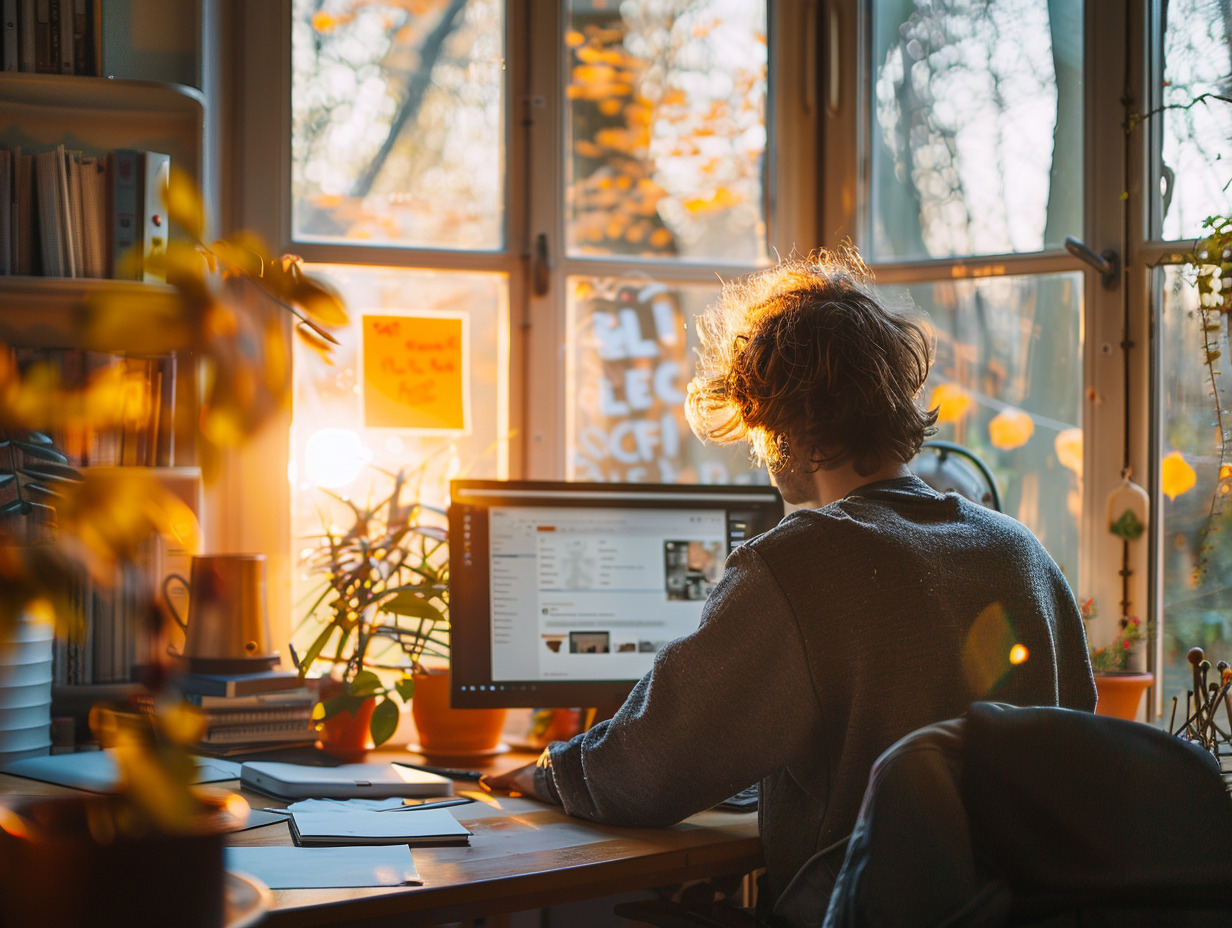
(321,867)
(416,827)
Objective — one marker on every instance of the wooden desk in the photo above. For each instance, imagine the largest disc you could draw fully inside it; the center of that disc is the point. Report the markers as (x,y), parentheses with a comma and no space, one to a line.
(523,855)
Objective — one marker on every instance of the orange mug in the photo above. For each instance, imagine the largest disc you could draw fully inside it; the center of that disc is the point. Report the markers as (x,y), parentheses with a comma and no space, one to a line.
(227,613)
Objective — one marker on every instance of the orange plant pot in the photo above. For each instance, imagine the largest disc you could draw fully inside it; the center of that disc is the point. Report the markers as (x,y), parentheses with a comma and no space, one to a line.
(344,735)
(1120,694)
(448,732)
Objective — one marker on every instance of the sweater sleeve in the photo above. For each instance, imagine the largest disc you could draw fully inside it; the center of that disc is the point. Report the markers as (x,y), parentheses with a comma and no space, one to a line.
(1075,682)
(719,710)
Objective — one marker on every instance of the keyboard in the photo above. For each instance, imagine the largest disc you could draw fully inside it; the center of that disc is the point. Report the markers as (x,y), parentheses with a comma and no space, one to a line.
(743,801)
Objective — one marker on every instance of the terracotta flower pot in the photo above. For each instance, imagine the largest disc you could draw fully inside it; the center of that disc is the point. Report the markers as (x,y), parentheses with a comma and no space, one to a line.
(1120,693)
(55,872)
(448,732)
(344,735)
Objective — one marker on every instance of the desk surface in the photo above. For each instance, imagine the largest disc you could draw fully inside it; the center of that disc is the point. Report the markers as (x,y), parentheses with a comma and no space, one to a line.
(523,855)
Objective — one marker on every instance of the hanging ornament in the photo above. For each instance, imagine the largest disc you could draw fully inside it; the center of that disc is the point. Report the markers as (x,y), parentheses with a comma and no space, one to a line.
(1128,506)
(1010,428)
(1176,476)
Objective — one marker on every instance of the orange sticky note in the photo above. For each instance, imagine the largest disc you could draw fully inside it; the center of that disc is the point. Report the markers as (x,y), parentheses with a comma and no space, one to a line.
(414,372)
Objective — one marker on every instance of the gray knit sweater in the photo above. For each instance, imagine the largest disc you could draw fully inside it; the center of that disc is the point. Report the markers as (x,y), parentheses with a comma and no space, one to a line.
(828,639)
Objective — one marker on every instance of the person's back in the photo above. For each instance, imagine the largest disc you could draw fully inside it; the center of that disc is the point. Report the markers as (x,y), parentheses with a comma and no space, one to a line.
(910,605)
(882,607)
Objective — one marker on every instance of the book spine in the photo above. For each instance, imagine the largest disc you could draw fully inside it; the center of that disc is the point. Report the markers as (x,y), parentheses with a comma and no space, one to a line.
(157,172)
(49,168)
(286,698)
(26,55)
(123,196)
(9,55)
(25,235)
(66,35)
(268,731)
(74,221)
(83,44)
(6,212)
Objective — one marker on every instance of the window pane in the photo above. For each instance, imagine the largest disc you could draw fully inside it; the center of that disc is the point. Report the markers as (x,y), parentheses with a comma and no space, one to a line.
(398,123)
(976,127)
(666,112)
(631,351)
(1008,381)
(416,383)
(1197,549)
(1197,142)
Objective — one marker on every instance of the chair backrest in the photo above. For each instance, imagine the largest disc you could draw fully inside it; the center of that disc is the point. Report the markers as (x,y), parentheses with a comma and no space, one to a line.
(1016,813)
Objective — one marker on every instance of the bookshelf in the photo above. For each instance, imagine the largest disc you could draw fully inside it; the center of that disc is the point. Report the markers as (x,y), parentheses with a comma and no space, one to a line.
(96,115)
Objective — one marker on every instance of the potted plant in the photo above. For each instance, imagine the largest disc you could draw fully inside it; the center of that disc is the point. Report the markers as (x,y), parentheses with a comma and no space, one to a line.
(384,602)
(151,852)
(1119,687)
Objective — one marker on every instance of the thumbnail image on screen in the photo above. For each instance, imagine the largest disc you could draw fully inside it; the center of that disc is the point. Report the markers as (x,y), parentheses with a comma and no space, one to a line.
(692,568)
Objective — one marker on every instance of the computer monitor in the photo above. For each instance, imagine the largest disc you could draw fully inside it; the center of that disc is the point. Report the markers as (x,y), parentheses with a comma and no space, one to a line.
(561,594)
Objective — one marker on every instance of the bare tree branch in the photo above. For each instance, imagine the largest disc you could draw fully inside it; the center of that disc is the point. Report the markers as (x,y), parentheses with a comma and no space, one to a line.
(416,88)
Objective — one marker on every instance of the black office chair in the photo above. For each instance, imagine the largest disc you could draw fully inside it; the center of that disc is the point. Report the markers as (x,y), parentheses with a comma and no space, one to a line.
(950,468)
(1026,816)
(1022,816)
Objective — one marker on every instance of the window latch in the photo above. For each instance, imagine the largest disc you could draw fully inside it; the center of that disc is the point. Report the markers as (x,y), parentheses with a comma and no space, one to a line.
(1107,262)
(540,272)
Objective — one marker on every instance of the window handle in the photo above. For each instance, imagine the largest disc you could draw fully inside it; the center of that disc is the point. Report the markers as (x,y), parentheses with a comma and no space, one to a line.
(540,269)
(1107,262)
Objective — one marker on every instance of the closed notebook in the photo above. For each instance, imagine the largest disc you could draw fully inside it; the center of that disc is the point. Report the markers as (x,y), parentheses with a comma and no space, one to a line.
(417,828)
(372,781)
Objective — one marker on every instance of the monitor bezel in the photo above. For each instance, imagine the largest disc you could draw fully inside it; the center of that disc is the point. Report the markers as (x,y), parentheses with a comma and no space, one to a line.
(470,644)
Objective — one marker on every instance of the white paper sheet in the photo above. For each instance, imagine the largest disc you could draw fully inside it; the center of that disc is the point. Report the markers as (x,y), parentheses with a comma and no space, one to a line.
(326,867)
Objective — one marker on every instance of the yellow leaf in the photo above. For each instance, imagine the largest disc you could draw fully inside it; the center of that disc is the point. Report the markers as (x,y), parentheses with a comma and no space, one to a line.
(1068,445)
(1176,476)
(1010,428)
(319,302)
(951,402)
(313,340)
(184,206)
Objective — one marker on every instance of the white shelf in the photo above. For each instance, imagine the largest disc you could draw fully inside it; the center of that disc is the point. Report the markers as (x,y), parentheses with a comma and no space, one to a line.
(54,312)
(97,114)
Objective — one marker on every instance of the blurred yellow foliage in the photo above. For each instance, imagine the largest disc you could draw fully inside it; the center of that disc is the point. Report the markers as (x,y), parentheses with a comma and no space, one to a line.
(1176,475)
(1010,428)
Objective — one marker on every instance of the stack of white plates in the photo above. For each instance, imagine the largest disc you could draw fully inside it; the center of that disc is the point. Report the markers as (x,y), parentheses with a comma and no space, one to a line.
(25,691)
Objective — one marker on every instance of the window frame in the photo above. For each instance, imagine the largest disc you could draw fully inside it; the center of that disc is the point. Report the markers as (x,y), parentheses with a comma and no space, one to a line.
(1116,318)
(256,195)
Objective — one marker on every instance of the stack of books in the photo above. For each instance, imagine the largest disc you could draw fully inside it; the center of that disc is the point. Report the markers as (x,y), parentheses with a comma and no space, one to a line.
(252,711)
(66,213)
(51,36)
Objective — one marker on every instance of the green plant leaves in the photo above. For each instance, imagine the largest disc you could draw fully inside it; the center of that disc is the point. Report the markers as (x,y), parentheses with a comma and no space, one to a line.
(411,604)
(384,721)
(366,683)
(406,688)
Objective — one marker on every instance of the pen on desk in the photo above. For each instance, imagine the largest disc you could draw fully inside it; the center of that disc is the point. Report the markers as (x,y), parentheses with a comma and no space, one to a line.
(449,773)
(434,804)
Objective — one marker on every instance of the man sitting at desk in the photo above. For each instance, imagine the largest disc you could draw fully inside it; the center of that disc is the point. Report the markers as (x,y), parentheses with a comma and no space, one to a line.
(882,607)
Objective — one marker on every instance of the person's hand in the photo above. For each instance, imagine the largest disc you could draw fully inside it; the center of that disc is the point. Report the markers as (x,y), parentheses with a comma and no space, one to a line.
(518,780)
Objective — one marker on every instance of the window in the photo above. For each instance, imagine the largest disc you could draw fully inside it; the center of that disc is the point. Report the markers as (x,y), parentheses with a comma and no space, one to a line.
(538,197)
(973,115)
(1189,134)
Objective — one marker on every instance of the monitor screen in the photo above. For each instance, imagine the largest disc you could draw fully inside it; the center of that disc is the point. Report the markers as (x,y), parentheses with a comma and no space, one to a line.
(561,594)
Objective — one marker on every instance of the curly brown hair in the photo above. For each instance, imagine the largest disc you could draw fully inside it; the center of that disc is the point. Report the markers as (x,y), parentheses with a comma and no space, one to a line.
(806,348)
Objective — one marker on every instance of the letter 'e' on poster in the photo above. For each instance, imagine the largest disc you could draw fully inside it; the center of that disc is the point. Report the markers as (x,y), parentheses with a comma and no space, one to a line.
(415,371)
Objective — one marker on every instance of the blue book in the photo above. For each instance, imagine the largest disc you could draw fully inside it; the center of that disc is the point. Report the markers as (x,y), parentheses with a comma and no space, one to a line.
(239,684)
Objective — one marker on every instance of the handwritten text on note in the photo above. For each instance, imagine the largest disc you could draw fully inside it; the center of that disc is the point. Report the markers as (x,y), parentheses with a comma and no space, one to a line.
(415,372)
